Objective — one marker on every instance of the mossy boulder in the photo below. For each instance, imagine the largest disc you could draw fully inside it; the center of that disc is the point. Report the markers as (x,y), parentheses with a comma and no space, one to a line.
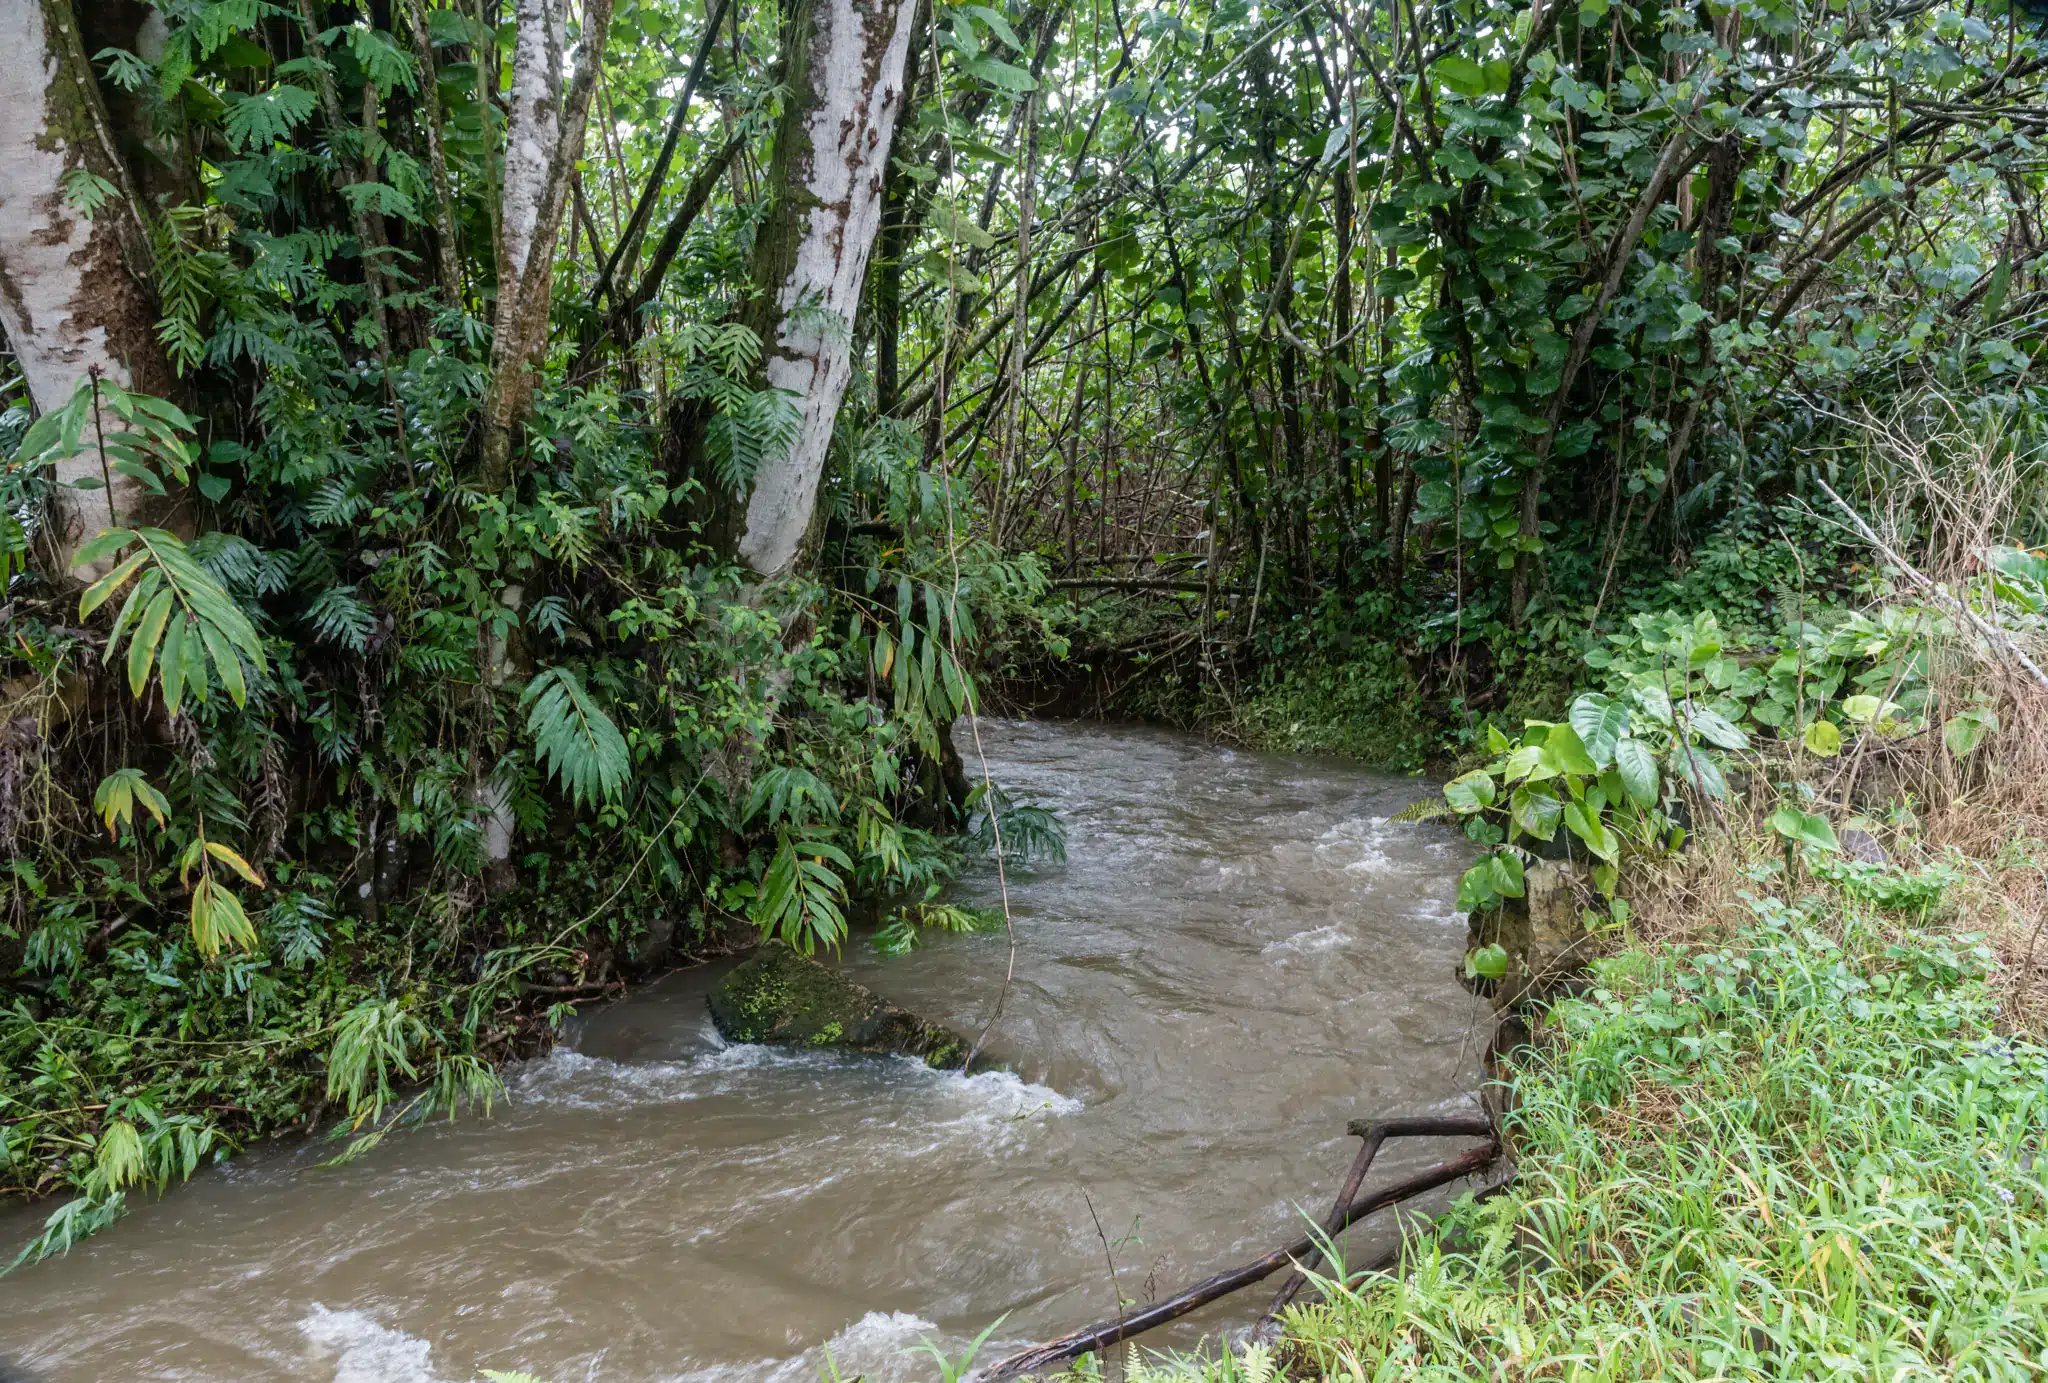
(782,997)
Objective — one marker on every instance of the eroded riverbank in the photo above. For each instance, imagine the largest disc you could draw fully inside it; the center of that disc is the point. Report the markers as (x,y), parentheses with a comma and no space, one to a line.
(1240,954)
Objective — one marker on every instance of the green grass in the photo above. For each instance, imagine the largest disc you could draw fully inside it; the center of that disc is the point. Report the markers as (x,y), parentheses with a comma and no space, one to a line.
(1803,1152)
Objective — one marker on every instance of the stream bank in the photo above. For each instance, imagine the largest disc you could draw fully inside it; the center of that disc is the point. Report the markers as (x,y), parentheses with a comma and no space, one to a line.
(1240,955)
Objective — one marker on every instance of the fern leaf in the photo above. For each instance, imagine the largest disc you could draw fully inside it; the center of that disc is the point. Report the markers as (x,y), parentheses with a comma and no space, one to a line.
(1428,809)
(577,741)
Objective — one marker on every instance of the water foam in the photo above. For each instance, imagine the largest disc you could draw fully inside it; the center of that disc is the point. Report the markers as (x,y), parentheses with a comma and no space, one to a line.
(365,1351)
(1315,941)
(1358,845)
(577,1080)
(878,1346)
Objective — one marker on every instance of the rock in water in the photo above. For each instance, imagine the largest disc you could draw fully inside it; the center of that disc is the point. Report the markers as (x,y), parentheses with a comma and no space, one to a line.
(779,996)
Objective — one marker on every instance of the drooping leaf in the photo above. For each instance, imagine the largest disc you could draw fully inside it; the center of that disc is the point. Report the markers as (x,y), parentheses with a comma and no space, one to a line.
(577,741)
(1717,730)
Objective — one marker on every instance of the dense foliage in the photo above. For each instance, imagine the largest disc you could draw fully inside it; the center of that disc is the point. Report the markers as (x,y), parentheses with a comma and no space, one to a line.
(1344,374)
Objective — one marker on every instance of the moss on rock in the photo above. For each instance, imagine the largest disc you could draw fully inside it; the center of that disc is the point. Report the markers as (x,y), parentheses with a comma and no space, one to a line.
(780,996)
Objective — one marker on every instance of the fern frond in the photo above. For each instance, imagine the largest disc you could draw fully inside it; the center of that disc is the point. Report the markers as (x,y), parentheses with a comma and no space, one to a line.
(577,741)
(1428,809)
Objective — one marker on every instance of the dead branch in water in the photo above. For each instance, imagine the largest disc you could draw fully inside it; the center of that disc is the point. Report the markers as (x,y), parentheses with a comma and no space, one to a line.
(1375,1132)
(1097,1337)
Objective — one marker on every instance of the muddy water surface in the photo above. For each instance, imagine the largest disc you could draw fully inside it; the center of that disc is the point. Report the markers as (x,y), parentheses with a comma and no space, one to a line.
(1240,954)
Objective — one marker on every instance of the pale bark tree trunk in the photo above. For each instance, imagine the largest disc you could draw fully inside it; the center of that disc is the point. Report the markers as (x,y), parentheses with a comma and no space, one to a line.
(73,292)
(543,140)
(845,74)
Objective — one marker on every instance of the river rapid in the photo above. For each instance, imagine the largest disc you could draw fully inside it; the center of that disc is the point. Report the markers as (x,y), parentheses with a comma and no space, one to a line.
(1240,954)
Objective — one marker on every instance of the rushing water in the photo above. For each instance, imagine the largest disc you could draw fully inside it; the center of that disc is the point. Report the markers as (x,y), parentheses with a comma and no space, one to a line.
(1240,954)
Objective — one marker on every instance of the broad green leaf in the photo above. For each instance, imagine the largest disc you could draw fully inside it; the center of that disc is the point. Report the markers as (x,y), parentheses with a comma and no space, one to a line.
(1600,722)
(1716,730)
(1534,812)
(1654,700)
(1470,792)
(1461,75)
(1638,769)
(1487,962)
(1696,769)
(1964,731)
(1476,887)
(1568,753)
(1588,827)
(1804,828)
(1531,761)
(1507,873)
(1823,738)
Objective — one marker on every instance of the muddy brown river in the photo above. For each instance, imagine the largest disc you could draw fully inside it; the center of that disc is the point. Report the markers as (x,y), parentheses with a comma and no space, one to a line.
(1240,953)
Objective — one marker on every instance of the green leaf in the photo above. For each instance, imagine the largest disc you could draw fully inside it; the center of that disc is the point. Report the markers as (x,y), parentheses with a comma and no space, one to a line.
(1535,812)
(1965,730)
(99,591)
(1696,769)
(1470,792)
(577,741)
(1487,963)
(1804,828)
(1506,868)
(1600,722)
(171,664)
(1568,753)
(142,647)
(1589,828)
(1638,769)
(1476,888)
(1823,738)
(226,665)
(1716,730)
(1461,75)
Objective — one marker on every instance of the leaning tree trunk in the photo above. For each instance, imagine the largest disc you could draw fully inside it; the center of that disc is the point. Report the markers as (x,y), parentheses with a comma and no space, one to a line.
(543,141)
(73,295)
(844,70)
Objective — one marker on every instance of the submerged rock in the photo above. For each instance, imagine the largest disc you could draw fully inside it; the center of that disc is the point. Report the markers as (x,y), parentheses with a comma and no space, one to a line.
(780,996)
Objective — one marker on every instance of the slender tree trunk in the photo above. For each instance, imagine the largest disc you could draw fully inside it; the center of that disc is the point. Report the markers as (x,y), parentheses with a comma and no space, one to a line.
(447,265)
(1020,343)
(845,76)
(73,292)
(543,140)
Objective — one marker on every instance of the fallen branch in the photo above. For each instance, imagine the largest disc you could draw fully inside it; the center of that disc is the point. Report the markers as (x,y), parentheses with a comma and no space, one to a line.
(1097,1337)
(1375,1132)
